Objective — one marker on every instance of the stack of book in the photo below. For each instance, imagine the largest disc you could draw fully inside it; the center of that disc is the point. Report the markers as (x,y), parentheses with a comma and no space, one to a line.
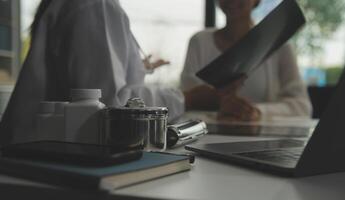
(150,166)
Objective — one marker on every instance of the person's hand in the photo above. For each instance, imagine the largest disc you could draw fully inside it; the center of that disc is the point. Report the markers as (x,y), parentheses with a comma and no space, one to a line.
(205,97)
(233,87)
(202,97)
(151,66)
(234,108)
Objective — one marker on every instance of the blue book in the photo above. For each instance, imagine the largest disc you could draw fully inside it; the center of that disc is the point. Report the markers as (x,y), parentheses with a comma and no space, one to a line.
(150,166)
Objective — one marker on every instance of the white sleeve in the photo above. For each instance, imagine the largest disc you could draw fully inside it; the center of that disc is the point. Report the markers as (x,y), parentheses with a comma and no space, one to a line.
(100,52)
(192,65)
(293,99)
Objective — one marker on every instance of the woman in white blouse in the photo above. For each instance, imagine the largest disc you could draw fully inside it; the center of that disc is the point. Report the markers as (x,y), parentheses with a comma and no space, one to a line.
(274,89)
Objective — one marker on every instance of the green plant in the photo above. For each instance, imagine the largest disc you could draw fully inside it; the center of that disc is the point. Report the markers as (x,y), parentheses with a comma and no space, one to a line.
(333,74)
(323,18)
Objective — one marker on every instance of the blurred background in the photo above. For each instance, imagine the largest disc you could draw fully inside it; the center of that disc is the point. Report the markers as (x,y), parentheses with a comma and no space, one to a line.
(164,27)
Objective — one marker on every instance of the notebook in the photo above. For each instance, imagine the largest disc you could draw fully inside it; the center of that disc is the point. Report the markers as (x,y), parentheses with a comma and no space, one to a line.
(150,166)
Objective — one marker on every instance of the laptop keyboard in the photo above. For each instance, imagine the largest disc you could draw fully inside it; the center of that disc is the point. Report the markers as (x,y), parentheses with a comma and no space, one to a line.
(280,156)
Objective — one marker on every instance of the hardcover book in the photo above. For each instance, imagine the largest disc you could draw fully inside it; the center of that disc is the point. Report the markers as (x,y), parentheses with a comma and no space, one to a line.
(150,166)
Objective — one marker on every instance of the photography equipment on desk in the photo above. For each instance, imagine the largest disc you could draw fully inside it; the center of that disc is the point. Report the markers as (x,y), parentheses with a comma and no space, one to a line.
(135,124)
(185,132)
(129,126)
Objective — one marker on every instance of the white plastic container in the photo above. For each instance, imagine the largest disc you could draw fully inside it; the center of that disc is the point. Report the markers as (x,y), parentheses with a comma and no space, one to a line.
(50,121)
(59,121)
(43,119)
(82,123)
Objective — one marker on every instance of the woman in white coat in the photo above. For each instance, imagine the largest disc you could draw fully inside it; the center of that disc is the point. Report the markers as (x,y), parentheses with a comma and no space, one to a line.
(80,44)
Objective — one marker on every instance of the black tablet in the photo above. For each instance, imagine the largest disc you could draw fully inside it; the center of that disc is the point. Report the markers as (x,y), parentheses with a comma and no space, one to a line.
(73,153)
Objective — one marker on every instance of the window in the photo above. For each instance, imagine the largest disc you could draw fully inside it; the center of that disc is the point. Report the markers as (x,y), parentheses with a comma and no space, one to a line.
(28,10)
(9,48)
(163,29)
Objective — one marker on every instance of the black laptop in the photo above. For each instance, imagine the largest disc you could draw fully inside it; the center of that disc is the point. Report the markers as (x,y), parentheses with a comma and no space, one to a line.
(263,130)
(323,153)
